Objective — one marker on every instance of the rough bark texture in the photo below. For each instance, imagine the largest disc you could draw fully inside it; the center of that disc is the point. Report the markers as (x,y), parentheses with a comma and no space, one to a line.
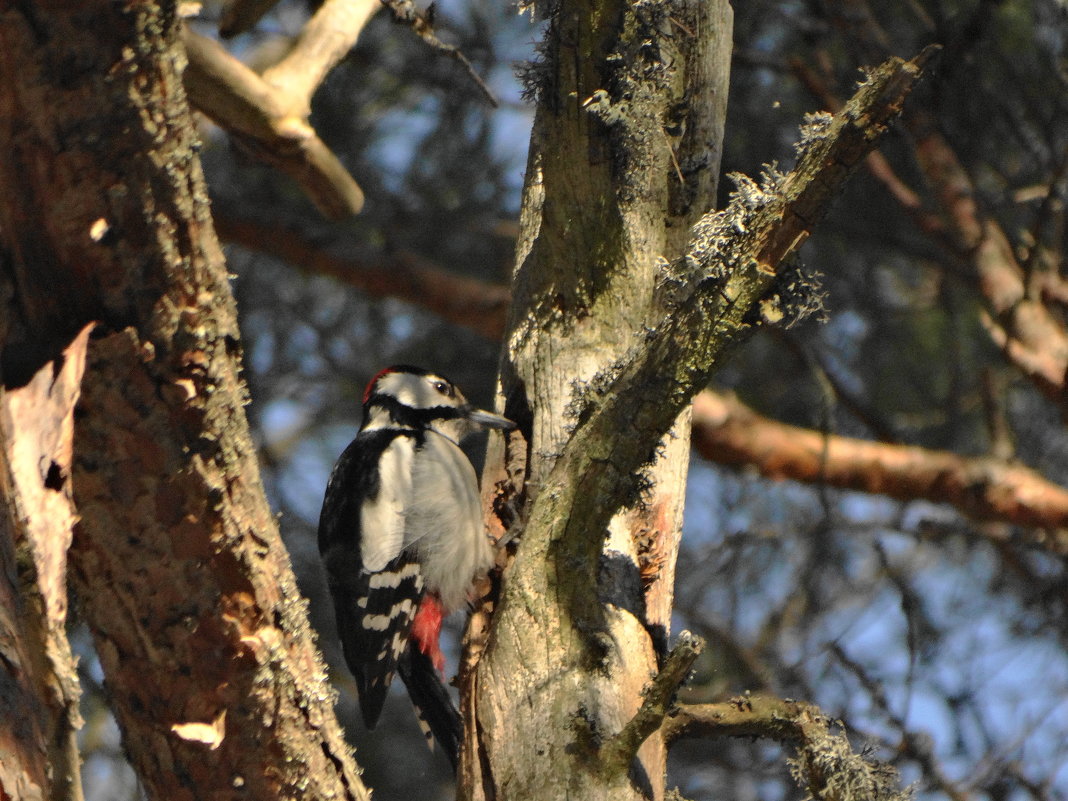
(177,562)
(38,676)
(565,662)
(624,159)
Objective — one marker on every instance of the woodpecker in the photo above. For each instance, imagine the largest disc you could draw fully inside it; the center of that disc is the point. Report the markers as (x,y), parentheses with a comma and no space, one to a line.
(402,537)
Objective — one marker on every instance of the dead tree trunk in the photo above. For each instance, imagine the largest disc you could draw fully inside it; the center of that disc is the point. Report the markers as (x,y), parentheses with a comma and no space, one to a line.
(624,159)
(621,310)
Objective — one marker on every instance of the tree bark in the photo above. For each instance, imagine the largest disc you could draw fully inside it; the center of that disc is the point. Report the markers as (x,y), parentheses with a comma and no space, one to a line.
(208,658)
(608,342)
(624,159)
(38,675)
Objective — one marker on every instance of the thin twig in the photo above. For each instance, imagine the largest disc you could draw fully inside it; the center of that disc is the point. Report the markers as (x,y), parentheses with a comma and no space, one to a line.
(405,13)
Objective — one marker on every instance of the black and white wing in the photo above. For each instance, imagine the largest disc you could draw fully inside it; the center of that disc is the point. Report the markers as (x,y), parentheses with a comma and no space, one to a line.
(376,584)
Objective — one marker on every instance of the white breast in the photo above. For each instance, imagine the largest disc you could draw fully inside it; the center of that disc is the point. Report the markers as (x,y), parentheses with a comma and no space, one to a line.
(443,520)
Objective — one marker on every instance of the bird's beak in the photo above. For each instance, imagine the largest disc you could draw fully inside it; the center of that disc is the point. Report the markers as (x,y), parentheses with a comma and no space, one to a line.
(480,417)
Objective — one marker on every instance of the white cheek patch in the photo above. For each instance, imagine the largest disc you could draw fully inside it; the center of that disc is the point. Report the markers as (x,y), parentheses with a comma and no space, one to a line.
(415,391)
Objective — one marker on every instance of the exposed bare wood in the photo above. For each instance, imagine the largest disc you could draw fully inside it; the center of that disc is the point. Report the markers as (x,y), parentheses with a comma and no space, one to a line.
(240,101)
(325,39)
(38,674)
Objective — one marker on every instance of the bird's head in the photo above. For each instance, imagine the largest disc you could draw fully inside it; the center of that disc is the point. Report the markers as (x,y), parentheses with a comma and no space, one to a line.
(416,398)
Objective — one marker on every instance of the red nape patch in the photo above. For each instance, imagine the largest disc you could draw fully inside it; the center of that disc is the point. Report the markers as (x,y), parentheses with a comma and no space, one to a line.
(371,384)
(426,630)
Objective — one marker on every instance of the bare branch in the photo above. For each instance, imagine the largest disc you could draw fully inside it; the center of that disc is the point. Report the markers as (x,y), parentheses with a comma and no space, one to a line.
(825,764)
(617,753)
(473,304)
(1018,321)
(326,39)
(876,163)
(244,104)
(727,432)
(405,12)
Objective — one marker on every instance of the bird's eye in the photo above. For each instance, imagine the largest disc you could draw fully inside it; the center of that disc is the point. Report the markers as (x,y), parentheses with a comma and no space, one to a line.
(444,388)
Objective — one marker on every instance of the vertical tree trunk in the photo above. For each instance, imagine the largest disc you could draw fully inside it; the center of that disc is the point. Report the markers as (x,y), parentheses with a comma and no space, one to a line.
(624,158)
(38,677)
(207,654)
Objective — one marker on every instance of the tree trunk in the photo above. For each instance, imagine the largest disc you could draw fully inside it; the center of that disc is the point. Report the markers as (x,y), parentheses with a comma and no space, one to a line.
(624,159)
(38,674)
(180,572)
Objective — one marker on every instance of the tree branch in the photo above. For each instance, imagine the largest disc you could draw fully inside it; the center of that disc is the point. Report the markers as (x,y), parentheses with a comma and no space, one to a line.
(726,431)
(422,24)
(729,433)
(477,305)
(731,265)
(617,752)
(323,41)
(1018,322)
(825,764)
(263,120)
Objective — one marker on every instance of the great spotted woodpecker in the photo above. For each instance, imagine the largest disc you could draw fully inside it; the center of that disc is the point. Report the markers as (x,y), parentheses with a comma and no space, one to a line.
(402,537)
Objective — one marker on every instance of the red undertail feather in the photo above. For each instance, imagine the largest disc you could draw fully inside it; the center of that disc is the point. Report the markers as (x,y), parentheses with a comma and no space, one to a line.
(426,630)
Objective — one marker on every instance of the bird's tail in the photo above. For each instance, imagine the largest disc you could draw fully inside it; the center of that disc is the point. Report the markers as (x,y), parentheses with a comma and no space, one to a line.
(433,704)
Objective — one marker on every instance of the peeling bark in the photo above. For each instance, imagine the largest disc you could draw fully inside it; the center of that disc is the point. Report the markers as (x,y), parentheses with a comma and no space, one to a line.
(38,674)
